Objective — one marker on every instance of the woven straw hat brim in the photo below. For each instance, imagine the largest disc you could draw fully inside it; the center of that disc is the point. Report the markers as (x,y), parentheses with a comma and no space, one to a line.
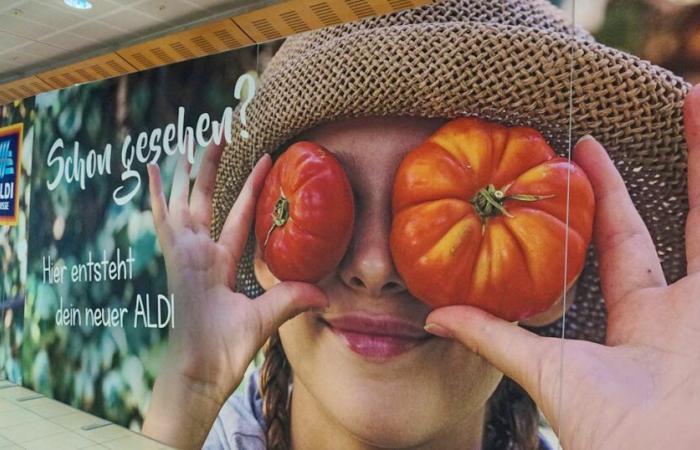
(510,73)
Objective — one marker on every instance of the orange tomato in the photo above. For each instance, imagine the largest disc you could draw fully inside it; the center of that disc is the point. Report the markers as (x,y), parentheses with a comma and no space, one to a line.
(480,218)
(305,214)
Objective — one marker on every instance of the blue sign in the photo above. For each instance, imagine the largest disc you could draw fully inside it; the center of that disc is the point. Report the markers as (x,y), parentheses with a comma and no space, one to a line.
(10,171)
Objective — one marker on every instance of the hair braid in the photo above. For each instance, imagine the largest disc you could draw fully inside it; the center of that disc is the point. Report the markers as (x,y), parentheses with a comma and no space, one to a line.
(275,375)
(511,419)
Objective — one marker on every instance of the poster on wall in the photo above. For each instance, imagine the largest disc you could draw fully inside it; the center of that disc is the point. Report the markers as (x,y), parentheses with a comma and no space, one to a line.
(16,137)
(324,198)
(98,308)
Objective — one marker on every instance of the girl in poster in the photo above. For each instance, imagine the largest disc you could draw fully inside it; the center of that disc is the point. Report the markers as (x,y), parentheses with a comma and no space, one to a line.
(370,92)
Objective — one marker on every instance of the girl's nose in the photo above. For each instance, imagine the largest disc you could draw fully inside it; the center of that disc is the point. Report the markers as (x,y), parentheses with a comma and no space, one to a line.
(368,267)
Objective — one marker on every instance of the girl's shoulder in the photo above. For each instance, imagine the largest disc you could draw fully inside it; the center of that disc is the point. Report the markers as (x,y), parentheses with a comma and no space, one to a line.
(240,424)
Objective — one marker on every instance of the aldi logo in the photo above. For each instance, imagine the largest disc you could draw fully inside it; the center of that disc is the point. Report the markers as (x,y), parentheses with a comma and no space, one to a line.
(10,170)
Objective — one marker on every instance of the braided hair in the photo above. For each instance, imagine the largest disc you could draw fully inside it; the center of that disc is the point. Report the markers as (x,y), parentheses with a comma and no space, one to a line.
(275,377)
(511,417)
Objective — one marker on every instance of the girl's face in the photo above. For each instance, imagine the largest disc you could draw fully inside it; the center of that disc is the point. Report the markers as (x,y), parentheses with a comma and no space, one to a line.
(364,369)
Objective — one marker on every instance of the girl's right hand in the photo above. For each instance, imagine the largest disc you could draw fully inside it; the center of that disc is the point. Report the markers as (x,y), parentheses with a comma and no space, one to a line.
(642,389)
(217,330)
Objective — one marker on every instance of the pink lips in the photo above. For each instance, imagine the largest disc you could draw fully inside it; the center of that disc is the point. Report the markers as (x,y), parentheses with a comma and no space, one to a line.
(377,337)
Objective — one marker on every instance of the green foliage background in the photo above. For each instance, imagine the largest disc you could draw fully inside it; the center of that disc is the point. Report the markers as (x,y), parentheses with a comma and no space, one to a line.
(13,250)
(108,371)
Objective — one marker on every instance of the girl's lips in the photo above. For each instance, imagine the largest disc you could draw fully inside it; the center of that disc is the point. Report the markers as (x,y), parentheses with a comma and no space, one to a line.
(377,338)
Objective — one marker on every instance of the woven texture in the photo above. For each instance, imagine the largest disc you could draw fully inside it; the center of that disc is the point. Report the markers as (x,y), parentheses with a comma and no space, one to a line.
(504,60)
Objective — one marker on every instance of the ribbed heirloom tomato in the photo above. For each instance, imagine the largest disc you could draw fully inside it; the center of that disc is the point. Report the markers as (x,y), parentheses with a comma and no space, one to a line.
(304,214)
(480,218)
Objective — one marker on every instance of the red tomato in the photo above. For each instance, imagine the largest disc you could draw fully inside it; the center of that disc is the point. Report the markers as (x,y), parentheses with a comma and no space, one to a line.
(480,218)
(305,214)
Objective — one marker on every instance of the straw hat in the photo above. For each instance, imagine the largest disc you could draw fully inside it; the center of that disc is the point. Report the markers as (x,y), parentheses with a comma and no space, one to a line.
(504,60)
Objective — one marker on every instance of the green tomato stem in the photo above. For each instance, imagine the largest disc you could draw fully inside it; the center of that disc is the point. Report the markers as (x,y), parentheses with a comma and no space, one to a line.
(488,202)
(280,215)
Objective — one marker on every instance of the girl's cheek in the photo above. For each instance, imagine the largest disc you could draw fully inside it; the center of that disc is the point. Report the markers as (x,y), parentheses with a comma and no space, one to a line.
(330,285)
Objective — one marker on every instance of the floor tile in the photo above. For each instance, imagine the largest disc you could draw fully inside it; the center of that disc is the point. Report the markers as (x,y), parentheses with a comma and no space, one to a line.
(133,441)
(14,417)
(105,434)
(75,420)
(48,408)
(14,393)
(32,422)
(6,405)
(62,441)
(37,429)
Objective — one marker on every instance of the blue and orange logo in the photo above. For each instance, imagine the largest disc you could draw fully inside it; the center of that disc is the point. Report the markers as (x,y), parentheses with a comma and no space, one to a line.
(10,171)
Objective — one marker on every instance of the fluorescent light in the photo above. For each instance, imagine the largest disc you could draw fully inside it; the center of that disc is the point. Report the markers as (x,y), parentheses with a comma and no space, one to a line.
(78,4)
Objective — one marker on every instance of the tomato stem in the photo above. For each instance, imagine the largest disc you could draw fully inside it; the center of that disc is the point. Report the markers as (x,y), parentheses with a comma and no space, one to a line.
(280,215)
(488,202)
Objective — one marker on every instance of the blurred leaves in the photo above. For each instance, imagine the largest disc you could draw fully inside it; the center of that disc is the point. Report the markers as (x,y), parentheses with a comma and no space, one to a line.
(106,371)
(622,27)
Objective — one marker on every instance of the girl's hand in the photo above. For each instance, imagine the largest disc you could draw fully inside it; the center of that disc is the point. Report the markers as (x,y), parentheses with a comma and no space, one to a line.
(642,389)
(217,331)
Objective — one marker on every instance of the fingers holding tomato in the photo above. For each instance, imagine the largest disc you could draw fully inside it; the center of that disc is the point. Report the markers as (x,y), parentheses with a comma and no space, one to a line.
(305,214)
(482,217)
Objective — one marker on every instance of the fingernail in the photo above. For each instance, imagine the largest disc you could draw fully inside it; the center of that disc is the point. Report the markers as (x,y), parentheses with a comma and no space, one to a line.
(258,163)
(437,330)
(585,137)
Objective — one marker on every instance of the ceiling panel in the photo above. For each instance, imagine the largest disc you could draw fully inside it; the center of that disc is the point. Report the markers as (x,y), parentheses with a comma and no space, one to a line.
(208,4)
(53,15)
(204,40)
(10,40)
(41,49)
(9,4)
(99,7)
(71,41)
(98,30)
(25,87)
(6,61)
(20,26)
(105,66)
(168,10)
(132,21)
(296,16)
(21,58)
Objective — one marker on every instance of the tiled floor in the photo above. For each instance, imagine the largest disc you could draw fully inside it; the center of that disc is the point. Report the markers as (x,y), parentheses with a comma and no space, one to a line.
(31,421)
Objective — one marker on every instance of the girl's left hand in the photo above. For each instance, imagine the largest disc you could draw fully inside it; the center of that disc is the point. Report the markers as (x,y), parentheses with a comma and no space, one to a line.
(218,331)
(641,389)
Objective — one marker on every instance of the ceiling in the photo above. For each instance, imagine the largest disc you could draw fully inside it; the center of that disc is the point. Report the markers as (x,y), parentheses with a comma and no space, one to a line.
(46,46)
(37,35)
